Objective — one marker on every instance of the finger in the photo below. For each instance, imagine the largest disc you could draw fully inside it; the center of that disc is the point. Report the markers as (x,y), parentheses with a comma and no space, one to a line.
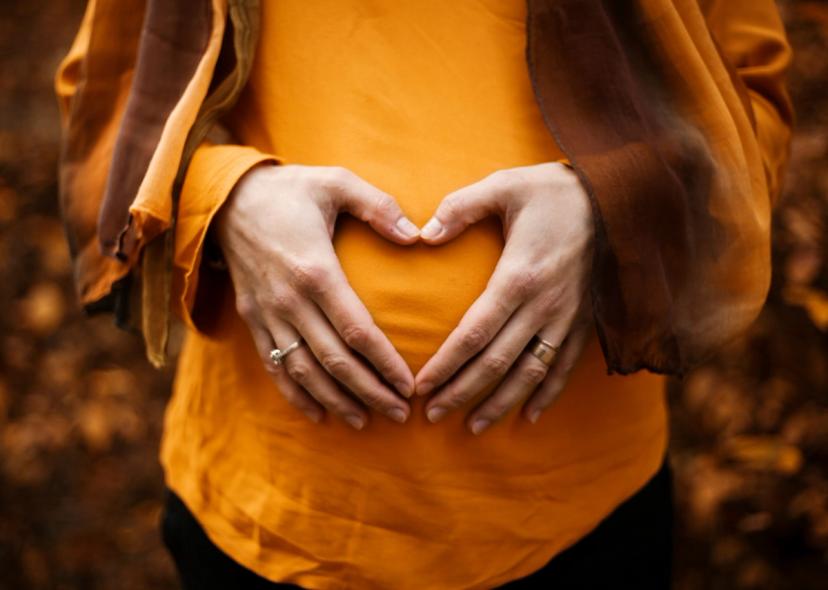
(301,366)
(377,208)
(476,329)
(526,375)
(352,320)
(558,376)
(295,395)
(341,363)
(489,367)
(462,208)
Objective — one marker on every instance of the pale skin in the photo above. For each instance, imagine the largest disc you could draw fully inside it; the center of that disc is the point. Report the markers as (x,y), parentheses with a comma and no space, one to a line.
(538,287)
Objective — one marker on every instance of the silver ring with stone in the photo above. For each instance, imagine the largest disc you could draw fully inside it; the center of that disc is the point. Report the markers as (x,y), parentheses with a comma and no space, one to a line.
(277,354)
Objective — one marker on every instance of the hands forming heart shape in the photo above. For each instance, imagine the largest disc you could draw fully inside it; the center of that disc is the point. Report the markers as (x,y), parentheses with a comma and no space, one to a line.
(538,287)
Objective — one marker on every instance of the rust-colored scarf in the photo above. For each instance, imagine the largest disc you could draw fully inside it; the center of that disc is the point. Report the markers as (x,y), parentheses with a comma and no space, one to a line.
(653,119)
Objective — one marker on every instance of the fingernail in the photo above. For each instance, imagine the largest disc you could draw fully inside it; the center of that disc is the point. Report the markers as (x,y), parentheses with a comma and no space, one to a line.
(436,413)
(432,229)
(355,421)
(398,415)
(424,387)
(407,227)
(480,425)
(534,415)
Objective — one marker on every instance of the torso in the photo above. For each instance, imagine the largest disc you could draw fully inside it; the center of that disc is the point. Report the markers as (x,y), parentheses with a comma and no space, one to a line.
(417,102)
(418,98)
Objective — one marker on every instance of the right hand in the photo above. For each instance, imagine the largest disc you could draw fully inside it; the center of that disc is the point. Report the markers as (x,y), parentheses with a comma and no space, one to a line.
(275,231)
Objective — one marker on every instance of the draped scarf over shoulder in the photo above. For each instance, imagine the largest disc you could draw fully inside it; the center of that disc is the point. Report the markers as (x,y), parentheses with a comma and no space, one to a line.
(165,71)
(655,122)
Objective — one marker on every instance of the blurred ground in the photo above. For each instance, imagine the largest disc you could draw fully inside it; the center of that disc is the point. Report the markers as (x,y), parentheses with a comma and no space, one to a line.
(80,409)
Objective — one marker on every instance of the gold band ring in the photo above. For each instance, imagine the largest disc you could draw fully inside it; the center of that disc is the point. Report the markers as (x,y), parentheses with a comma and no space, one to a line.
(544,350)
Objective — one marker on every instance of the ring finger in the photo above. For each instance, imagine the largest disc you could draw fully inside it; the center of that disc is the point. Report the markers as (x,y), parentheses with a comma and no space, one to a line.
(524,378)
(558,375)
(489,367)
(302,367)
(340,363)
(294,394)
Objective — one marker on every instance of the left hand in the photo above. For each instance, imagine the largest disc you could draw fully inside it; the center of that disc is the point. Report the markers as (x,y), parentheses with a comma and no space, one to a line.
(538,287)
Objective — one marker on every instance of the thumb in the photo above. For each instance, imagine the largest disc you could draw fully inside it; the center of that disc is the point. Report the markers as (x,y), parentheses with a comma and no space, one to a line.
(460,209)
(377,208)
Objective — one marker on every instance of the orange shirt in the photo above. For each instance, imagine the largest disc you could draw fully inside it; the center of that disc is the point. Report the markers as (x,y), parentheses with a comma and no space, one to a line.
(419,99)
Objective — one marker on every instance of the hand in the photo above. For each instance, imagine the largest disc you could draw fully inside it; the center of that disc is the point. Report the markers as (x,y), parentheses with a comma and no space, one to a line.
(537,287)
(275,234)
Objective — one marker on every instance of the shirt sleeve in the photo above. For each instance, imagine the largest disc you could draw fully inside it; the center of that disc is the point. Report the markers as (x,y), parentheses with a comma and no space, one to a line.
(213,172)
(751,37)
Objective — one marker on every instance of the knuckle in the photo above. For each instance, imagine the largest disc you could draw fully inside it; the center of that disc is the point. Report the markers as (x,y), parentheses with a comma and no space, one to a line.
(384,205)
(498,177)
(356,336)
(496,409)
(335,364)
(342,173)
(337,177)
(245,307)
(381,359)
(495,365)
(474,339)
(503,182)
(550,299)
(523,284)
(503,306)
(299,372)
(337,407)
(309,276)
(533,375)
(455,398)
(373,399)
(284,302)
(270,367)
(441,374)
(452,207)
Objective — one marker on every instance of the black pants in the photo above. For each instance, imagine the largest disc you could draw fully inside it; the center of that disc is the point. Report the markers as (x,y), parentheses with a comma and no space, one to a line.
(631,548)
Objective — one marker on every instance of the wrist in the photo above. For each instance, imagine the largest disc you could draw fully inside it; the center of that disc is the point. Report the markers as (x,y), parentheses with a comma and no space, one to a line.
(225,218)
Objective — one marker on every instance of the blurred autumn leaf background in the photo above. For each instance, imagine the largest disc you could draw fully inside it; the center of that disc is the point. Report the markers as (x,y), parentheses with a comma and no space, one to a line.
(81,410)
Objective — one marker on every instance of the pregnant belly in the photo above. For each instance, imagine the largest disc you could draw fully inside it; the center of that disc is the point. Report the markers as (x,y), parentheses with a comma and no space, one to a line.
(417,294)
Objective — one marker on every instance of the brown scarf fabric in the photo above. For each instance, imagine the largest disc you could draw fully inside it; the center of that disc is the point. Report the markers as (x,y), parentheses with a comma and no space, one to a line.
(682,260)
(652,119)
(89,135)
(173,38)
